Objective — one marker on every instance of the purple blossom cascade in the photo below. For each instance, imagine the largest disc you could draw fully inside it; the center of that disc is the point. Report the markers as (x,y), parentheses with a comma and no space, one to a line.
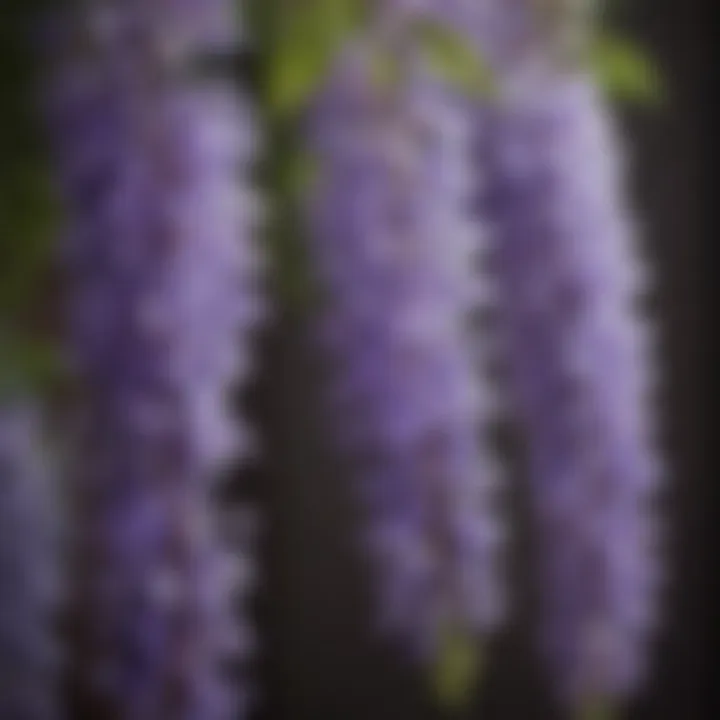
(28,571)
(164,291)
(394,244)
(578,349)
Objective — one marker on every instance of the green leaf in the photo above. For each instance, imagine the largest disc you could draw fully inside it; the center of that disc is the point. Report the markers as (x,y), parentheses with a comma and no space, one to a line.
(625,71)
(301,174)
(28,217)
(291,176)
(306,38)
(295,70)
(455,59)
(384,69)
(596,710)
(456,670)
(26,364)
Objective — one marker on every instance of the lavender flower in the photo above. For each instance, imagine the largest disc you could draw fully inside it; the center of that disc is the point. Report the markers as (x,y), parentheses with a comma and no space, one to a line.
(163,282)
(28,571)
(394,244)
(579,355)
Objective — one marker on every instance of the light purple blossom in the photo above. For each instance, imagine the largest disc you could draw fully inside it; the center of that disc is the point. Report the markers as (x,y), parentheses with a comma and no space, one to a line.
(163,281)
(394,244)
(570,287)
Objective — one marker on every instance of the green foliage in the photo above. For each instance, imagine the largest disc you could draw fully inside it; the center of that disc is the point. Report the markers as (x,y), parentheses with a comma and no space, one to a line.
(456,671)
(384,69)
(27,210)
(295,44)
(454,59)
(624,70)
(28,218)
(25,363)
(596,710)
(305,38)
(290,174)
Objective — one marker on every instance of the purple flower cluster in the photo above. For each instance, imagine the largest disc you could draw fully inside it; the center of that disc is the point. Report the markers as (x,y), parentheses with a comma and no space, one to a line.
(394,244)
(28,571)
(578,350)
(154,156)
(163,295)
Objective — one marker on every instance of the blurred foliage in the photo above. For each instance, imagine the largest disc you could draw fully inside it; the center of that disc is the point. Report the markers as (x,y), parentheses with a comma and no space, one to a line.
(626,72)
(455,59)
(25,362)
(27,211)
(455,673)
(596,710)
(281,91)
(303,40)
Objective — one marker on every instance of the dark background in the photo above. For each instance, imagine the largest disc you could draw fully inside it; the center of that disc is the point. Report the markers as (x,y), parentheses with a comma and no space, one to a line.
(318,660)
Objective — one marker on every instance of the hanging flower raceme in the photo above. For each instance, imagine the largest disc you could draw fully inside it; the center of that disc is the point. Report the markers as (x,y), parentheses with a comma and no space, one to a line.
(28,570)
(578,350)
(394,244)
(154,159)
